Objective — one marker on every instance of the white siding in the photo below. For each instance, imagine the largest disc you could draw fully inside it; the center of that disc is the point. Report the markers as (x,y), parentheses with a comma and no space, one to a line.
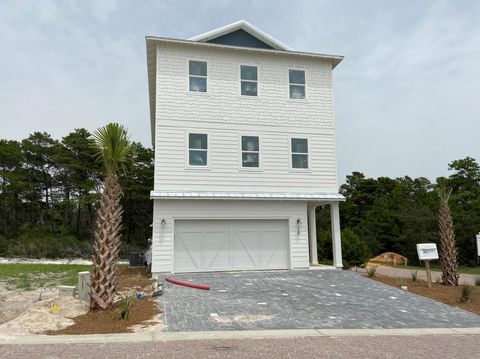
(225,115)
(169,210)
(224,172)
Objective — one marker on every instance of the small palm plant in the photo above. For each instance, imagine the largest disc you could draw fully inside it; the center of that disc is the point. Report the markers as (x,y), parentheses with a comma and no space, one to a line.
(448,250)
(113,148)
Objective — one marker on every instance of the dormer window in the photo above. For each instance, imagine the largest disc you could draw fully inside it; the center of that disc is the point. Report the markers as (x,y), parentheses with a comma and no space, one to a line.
(249,80)
(296,79)
(197,76)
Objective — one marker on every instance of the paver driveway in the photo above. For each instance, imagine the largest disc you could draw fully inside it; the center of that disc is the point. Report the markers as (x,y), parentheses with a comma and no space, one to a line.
(300,300)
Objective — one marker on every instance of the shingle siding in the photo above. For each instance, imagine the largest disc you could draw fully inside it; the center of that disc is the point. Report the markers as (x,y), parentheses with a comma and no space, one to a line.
(224,114)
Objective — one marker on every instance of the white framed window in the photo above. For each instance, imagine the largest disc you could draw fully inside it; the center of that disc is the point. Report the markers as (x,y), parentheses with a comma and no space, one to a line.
(248,80)
(296,82)
(198,149)
(250,151)
(299,153)
(197,76)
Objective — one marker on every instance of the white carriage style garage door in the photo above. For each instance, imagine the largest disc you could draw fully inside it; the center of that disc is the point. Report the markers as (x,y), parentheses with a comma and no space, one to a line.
(222,245)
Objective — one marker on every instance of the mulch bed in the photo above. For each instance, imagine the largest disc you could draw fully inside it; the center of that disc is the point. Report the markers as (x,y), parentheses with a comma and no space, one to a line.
(105,321)
(445,294)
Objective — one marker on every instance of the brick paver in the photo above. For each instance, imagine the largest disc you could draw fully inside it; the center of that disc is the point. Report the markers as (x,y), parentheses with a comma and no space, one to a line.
(301,300)
(384,347)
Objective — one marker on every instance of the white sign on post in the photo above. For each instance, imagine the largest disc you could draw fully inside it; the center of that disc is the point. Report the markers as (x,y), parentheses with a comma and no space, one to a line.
(478,244)
(427,251)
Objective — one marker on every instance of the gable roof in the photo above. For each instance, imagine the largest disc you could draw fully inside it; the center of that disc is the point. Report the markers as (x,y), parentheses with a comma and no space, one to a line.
(240,27)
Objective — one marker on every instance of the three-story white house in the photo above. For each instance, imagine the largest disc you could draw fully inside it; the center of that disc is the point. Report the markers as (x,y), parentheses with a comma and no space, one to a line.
(244,137)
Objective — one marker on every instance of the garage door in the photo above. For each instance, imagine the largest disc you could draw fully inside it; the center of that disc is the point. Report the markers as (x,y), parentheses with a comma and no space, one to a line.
(221,245)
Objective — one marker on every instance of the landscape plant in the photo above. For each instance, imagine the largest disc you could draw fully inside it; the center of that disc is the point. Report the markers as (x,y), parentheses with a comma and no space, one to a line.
(466,293)
(448,250)
(113,148)
(125,306)
(477,281)
(414,275)
(371,271)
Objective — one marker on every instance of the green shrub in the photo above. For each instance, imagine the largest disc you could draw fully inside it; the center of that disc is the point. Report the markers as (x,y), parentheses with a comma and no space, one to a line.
(126,306)
(477,281)
(46,245)
(371,271)
(414,275)
(466,293)
(401,282)
(354,251)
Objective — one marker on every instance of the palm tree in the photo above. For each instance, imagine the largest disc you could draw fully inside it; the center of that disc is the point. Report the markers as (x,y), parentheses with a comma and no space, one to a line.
(113,148)
(448,250)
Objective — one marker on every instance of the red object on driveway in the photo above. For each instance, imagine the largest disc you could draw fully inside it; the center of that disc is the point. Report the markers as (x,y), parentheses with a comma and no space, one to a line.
(187,284)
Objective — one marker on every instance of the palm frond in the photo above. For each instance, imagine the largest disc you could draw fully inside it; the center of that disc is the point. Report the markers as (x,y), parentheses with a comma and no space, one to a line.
(113,147)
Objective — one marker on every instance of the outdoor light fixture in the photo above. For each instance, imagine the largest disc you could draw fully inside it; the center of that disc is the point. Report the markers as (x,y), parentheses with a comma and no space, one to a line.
(299,222)
(163,221)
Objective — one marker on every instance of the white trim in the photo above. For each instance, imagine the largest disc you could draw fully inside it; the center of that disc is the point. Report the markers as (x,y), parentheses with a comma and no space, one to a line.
(203,77)
(187,149)
(293,196)
(291,153)
(260,146)
(304,85)
(240,80)
(241,25)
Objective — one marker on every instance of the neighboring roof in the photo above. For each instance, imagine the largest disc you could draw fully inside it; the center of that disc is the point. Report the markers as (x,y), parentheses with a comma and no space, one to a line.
(245,26)
(288,196)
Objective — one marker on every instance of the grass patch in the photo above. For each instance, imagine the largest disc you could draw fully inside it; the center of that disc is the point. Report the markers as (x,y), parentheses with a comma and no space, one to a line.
(31,276)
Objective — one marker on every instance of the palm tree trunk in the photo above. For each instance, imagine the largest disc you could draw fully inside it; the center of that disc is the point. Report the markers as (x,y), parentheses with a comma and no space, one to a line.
(106,246)
(448,250)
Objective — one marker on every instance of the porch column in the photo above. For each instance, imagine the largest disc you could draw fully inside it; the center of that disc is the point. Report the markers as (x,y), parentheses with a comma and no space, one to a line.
(312,226)
(336,235)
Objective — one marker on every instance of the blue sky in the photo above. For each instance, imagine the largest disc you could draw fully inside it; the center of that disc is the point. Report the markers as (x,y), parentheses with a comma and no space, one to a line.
(406,96)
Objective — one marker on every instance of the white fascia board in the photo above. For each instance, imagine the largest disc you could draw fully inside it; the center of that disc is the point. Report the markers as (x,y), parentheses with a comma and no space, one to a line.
(335,59)
(332,197)
(241,25)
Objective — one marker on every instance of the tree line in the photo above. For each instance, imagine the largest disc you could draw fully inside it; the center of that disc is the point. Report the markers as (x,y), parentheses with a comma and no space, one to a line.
(49,190)
(395,214)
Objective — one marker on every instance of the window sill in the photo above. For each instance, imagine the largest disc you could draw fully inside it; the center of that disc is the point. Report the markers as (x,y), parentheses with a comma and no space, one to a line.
(300,170)
(197,168)
(250,169)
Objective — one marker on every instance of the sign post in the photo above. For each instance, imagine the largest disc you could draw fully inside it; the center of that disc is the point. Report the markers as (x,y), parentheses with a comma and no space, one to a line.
(427,252)
(478,248)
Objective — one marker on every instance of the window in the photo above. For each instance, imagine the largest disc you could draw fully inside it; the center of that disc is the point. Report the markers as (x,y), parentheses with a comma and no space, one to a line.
(249,80)
(197,76)
(250,151)
(197,149)
(299,152)
(296,79)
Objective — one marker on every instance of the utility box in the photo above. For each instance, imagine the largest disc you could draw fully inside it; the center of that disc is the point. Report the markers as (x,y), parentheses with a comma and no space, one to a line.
(66,290)
(137,259)
(84,285)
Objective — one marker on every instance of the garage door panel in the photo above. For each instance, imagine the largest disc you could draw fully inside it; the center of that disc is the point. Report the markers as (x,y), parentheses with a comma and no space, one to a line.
(273,249)
(217,253)
(188,248)
(245,253)
(220,245)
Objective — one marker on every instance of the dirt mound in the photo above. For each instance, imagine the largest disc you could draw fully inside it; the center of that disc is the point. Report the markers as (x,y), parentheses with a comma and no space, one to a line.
(38,317)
